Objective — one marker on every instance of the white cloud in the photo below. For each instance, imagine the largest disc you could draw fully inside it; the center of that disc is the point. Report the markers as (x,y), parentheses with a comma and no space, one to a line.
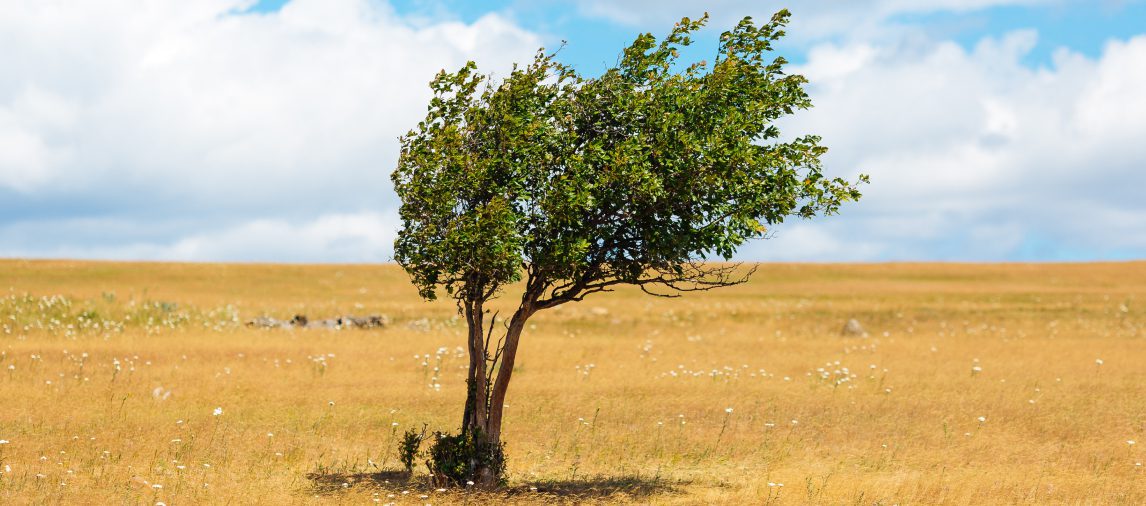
(352,237)
(361,237)
(804,242)
(174,110)
(974,155)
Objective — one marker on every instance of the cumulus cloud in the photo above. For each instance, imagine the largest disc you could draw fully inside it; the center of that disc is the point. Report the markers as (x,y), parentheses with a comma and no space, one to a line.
(360,237)
(974,155)
(196,113)
(354,237)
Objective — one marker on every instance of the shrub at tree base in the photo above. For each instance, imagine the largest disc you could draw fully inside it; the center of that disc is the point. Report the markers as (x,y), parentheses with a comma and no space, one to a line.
(464,459)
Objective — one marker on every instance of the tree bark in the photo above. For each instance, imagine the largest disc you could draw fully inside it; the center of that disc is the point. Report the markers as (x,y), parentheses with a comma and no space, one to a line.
(485,403)
(505,371)
(477,406)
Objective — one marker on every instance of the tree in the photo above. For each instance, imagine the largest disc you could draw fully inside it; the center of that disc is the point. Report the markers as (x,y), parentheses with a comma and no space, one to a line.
(574,185)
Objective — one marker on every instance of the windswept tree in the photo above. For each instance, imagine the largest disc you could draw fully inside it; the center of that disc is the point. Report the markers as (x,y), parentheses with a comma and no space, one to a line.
(573,185)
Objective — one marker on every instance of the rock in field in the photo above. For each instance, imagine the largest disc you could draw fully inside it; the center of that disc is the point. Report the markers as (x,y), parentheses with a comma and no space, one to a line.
(302,322)
(854,329)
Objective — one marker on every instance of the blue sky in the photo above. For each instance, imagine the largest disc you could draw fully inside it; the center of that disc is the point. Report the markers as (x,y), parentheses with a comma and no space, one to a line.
(593,41)
(242,130)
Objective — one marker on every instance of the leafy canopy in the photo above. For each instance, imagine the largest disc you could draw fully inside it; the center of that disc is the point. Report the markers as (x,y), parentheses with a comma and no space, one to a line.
(632,177)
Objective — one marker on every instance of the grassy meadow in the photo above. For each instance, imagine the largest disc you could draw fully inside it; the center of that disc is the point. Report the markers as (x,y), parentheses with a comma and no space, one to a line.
(137,383)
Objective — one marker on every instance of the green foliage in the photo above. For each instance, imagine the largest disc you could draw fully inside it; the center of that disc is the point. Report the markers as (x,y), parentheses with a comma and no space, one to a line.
(629,177)
(457,460)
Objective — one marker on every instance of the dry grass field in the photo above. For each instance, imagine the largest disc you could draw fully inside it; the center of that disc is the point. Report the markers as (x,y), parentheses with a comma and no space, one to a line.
(978,384)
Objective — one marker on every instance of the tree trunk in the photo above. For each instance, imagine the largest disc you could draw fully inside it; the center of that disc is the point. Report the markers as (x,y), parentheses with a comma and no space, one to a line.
(505,371)
(485,402)
(477,406)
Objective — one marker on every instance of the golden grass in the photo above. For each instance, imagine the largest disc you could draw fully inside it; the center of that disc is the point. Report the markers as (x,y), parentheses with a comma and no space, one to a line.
(621,398)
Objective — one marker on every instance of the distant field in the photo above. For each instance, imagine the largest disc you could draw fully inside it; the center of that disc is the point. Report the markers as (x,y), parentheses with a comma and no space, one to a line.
(978,384)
